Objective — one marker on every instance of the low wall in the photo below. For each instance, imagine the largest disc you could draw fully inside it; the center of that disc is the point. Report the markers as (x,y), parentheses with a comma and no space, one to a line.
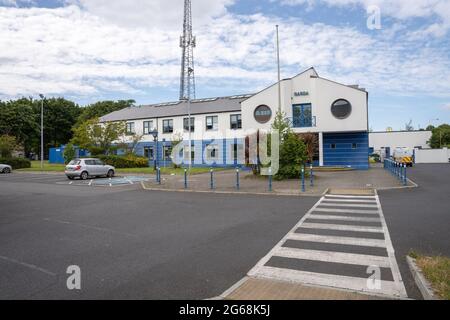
(431,155)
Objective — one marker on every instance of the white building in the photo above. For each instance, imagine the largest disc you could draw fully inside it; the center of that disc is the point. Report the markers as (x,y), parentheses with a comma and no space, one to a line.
(337,113)
(384,143)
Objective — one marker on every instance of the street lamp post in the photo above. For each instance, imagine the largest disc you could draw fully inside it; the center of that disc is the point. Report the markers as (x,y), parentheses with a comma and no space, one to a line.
(154,133)
(42,130)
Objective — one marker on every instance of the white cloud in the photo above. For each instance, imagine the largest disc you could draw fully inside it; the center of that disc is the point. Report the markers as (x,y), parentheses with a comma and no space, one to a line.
(166,14)
(72,51)
(399,9)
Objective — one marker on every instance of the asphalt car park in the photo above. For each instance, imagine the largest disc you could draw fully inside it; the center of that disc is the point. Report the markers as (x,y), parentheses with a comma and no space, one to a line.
(61,179)
(133,243)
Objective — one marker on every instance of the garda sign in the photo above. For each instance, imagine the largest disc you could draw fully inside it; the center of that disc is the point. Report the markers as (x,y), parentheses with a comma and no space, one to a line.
(301,93)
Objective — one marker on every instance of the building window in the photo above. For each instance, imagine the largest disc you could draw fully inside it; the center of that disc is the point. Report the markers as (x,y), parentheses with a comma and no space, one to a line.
(212,123)
(149,153)
(130,128)
(262,114)
(302,116)
(148,127)
(333,146)
(168,126)
(236,121)
(186,124)
(237,152)
(341,109)
(212,152)
(354,145)
(167,153)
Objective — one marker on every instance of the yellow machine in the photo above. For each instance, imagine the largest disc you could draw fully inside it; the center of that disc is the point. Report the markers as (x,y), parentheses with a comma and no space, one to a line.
(404,155)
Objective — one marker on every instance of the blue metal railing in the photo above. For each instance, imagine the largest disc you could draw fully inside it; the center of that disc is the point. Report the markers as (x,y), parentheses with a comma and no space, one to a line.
(397,169)
(302,122)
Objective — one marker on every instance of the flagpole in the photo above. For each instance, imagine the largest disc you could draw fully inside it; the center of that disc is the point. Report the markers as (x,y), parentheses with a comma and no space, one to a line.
(279,71)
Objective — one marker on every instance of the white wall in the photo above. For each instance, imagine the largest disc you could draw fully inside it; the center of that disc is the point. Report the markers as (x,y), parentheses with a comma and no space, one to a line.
(406,139)
(432,155)
(322,93)
(200,132)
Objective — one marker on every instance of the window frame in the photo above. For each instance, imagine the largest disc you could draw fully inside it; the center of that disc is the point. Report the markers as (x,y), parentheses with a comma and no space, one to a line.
(170,121)
(185,127)
(238,123)
(131,125)
(214,125)
(149,128)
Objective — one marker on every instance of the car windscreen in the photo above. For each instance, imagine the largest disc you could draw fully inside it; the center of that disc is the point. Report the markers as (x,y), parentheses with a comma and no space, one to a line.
(74,162)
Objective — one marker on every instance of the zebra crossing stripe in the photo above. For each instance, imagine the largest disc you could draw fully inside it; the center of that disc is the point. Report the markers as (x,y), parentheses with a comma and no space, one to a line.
(349,205)
(343,218)
(348,197)
(326,280)
(336,257)
(338,240)
(341,227)
(350,200)
(346,210)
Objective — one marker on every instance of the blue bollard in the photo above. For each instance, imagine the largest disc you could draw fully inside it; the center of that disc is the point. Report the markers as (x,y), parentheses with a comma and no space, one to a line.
(311,175)
(212,179)
(159,175)
(270,179)
(156,173)
(303,179)
(185,179)
(405,179)
(237,179)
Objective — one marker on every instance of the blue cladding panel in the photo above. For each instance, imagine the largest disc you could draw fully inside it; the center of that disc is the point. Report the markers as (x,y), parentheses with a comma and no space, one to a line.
(345,154)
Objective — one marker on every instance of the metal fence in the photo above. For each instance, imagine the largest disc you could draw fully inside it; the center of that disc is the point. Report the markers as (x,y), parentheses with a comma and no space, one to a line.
(397,169)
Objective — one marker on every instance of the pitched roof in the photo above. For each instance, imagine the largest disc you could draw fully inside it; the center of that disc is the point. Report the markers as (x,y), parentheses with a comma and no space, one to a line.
(177,108)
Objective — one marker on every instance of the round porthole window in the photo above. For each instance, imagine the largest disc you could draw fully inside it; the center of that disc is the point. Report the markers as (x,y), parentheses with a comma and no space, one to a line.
(341,108)
(263,114)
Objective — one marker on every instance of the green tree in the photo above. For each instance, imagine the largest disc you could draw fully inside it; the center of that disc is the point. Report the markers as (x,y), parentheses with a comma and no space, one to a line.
(18,118)
(293,155)
(97,137)
(7,145)
(282,124)
(440,137)
(69,153)
(59,117)
(101,108)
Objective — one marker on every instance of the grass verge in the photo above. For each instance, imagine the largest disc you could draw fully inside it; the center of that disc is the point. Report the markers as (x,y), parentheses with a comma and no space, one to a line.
(51,167)
(437,271)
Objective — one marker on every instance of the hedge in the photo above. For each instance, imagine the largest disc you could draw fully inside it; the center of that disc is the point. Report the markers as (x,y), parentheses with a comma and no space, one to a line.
(16,163)
(128,161)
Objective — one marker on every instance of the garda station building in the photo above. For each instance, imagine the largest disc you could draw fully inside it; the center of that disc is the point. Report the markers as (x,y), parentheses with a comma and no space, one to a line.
(336,113)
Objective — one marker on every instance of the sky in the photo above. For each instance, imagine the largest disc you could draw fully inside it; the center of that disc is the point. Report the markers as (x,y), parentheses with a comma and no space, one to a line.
(91,50)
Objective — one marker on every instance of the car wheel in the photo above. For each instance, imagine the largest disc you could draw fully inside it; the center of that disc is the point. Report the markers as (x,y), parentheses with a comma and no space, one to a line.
(6,170)
(110,174)
(84,175)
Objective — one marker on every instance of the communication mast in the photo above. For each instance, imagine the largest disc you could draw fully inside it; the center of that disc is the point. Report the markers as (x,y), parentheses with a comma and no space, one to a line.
(187,44)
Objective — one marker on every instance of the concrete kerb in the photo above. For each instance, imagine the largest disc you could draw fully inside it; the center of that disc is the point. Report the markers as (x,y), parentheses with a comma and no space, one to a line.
(273,193)
(422,283)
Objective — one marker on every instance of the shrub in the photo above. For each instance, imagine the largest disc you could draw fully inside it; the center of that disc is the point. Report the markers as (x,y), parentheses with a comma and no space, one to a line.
(127,161)
(16,163)
(69,153)
(293,155)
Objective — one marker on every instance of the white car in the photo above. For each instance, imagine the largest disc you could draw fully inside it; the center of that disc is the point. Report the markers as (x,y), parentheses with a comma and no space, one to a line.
(85,168)
(5,168)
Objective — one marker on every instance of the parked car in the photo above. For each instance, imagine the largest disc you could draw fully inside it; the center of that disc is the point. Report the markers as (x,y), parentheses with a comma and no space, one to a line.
(90,167)
(5,168)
